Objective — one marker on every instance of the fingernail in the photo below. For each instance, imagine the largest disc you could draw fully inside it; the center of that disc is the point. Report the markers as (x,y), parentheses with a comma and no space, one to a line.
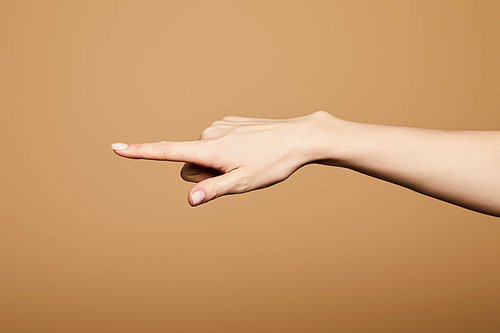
(119,146)
(198,197)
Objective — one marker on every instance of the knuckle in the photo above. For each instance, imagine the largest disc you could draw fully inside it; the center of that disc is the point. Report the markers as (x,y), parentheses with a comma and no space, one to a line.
(213,188)
(320,113)
(244,184)
(206,134)
(217,123)
(213,133)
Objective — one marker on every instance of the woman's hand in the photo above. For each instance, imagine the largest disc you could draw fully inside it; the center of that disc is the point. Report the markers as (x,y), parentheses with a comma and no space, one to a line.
(239,154)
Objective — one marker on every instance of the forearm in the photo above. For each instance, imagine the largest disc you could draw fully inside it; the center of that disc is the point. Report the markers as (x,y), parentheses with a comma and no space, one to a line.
(460,167)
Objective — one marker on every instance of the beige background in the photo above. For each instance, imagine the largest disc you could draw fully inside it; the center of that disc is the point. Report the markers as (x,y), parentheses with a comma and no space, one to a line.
(91,242)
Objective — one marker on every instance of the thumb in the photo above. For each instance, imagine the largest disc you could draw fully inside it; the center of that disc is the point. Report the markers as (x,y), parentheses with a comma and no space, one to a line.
(215,187)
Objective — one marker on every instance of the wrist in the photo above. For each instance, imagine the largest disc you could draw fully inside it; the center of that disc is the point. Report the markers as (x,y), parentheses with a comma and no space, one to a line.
(332,139)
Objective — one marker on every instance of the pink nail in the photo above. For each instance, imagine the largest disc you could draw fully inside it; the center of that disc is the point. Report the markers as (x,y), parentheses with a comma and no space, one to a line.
(198,197)
(119,146)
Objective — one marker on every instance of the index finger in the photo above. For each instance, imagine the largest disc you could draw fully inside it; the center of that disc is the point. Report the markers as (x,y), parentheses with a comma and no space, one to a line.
(187,151)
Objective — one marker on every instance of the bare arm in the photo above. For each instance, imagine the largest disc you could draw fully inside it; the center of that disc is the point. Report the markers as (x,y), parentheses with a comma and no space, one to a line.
(239,154)
(460,167)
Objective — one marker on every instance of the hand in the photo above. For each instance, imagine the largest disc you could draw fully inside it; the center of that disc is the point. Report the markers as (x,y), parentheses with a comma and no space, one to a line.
(237,154)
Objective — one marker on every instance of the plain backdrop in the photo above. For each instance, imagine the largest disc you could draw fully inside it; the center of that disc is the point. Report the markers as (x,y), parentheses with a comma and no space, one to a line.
(92,242)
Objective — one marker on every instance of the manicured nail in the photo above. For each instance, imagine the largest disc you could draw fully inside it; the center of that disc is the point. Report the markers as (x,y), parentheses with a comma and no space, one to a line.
(119,146)
(198,197)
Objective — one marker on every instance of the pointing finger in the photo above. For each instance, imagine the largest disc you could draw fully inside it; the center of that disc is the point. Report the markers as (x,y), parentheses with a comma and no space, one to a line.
(187,151)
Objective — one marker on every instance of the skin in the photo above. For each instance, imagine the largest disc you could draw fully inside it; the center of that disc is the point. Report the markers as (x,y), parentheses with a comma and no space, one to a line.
(240,154)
